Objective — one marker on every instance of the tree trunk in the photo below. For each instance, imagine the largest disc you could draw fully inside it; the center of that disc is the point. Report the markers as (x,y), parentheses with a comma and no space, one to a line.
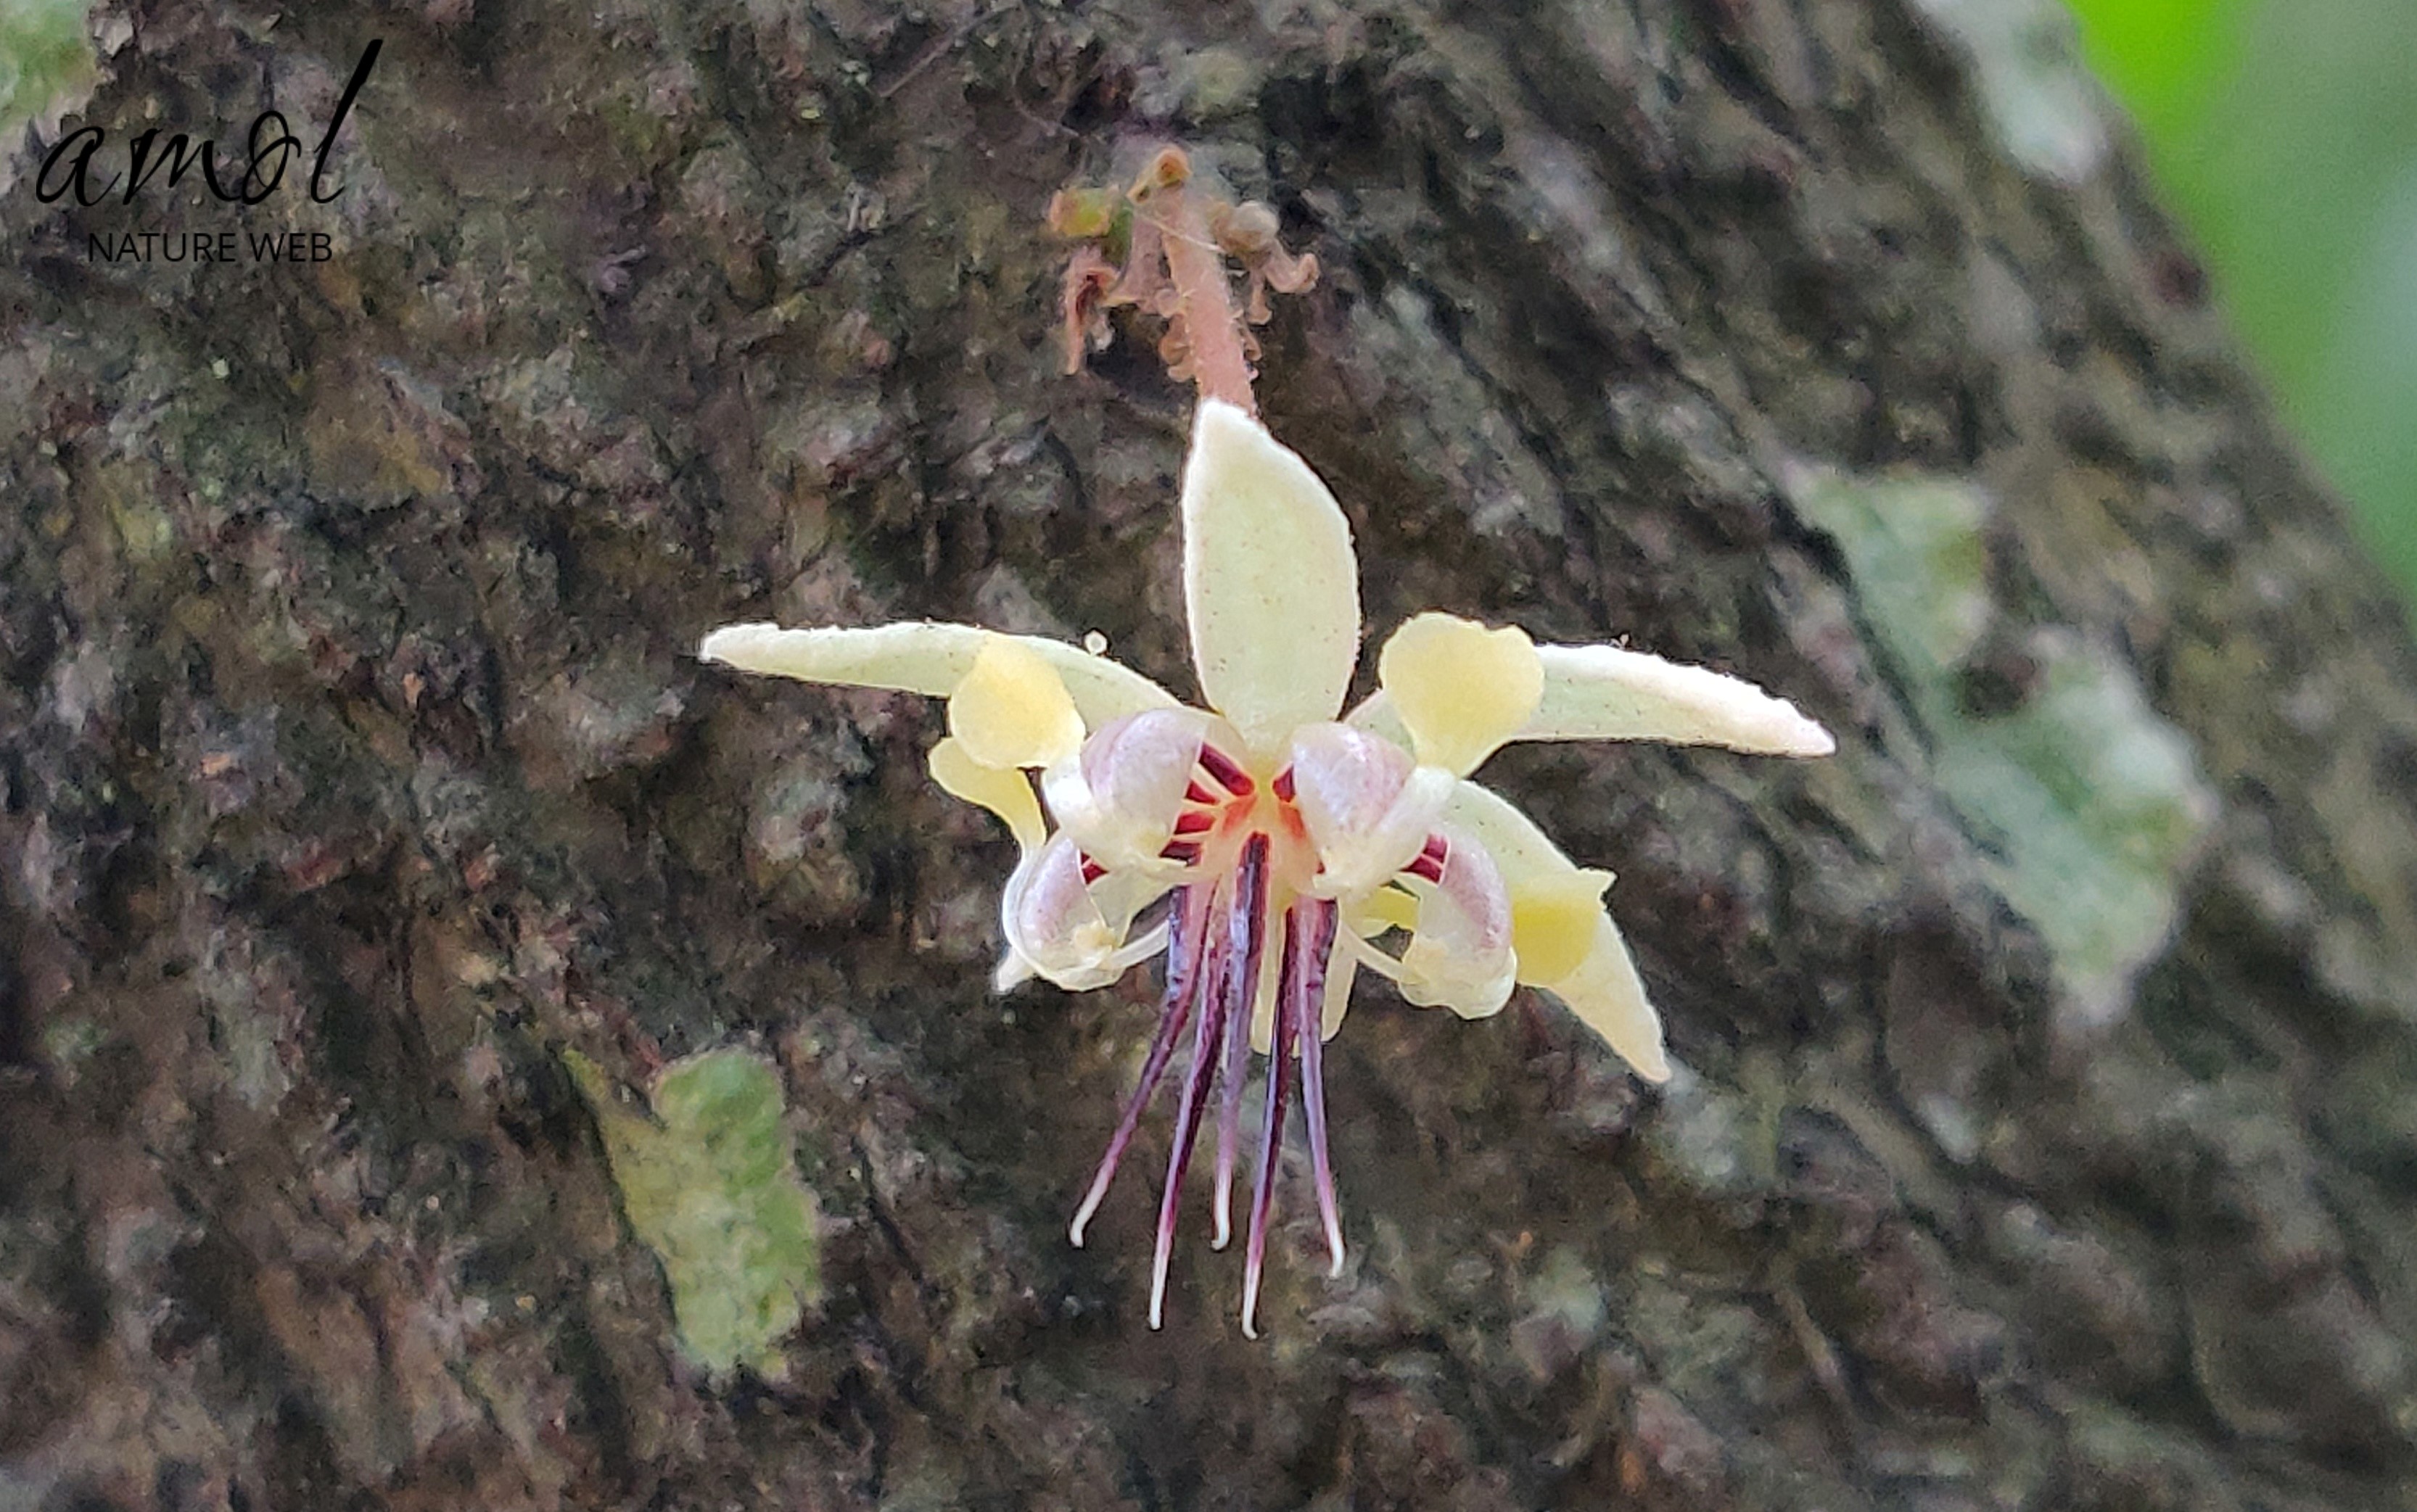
(2042,1137)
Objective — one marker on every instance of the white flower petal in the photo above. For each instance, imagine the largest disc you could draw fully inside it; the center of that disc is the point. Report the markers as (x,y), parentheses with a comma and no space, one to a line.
(1459,956)
(1013,971)
(924,657)
(1269,583)
(1071,932)
(1367,808)
(1120,795)
(1602,692)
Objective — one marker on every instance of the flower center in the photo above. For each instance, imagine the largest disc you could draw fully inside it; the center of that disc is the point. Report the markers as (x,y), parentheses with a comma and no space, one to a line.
(1225,809)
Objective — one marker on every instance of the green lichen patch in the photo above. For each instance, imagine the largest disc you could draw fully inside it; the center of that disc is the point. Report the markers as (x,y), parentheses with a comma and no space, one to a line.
(1919,565)
(2037,91)
(709,1183)
(2086,803)
(46,64)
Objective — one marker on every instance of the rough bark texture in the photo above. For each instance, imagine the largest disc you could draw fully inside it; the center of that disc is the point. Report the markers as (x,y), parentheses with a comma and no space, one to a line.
(355,767)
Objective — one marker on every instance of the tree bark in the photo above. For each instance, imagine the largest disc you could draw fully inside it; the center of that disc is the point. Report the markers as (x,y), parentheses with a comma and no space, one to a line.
(2042,1138)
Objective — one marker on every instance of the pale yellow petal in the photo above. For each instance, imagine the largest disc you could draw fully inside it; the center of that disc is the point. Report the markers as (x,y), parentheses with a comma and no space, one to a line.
(1602,692)
(1269,583)
(1530,863)
(1460,688)
(1386,908)
(1609,997)
(1376,715)
(923,657)
(1005,792)
(1013,709)
(1553,917)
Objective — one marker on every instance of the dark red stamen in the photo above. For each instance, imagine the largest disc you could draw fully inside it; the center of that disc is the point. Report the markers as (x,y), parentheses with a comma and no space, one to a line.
(1283,784)
(1222,767)
(1185,851)
(1092,871)
(1197,794)
(1280,1055)
(1192,821)
(1430,863)
(1185,943)
(1299,1034)
(1207,1028)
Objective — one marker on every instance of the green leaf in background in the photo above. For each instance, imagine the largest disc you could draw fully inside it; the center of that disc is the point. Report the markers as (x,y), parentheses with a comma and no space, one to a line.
(2285,133)
(711,1185)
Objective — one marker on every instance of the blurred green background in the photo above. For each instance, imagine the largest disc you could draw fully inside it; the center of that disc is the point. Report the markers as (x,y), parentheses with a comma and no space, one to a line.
(2285,133)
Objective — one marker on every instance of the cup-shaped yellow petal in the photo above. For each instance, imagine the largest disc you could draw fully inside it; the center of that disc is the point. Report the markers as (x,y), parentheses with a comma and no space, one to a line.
(1002,790)
(1460,956)
(1013,709)
(1269,583)
(1460,690)
(1552,917)
(1367,808)
(1387,908)
(1070,926)
(1120,796)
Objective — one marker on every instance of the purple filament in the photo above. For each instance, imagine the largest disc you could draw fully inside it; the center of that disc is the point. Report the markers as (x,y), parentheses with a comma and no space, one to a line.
(1280,1059)
(1184,945)
(1309,938)
(1237,1070)
(1215,956)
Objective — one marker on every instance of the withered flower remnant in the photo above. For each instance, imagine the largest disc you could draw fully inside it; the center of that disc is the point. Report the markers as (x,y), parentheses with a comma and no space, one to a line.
(1160,245)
